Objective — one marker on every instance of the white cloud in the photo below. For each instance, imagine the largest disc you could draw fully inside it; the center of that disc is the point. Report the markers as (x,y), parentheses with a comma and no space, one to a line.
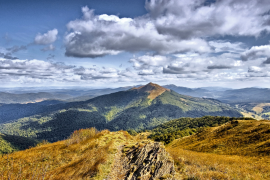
(144,62)
(146,72)
(171,26)
(187,19)
(99,35)
(46,38)
(256,52)
(254,69)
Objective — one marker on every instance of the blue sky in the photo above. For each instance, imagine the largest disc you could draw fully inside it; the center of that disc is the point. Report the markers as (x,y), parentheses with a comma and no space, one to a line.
(111,43)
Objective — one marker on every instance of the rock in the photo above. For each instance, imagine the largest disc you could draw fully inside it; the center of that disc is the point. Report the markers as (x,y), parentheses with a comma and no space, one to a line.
(144,161)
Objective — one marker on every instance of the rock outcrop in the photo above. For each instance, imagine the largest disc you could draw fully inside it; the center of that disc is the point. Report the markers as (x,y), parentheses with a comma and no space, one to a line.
(144,161)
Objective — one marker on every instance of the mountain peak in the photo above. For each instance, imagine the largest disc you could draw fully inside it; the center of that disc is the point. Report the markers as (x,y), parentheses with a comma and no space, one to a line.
(154,90)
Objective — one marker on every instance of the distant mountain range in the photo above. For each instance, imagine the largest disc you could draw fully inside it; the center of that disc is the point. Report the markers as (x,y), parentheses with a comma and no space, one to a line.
(69,95)
(226,95)
(8,98)
(137,108)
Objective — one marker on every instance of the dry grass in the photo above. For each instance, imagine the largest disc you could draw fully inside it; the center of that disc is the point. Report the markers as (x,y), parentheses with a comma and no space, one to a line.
(88,154)
(242,137)
(237,150)
(206,166)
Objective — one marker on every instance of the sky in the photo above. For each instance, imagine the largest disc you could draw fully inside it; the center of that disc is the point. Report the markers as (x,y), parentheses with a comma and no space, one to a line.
(115,43)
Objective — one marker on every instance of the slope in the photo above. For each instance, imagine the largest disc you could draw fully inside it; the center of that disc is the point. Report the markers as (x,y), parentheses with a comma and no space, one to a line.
(137,108)
(9,112)
(236,150)
(238,137)
(89,154)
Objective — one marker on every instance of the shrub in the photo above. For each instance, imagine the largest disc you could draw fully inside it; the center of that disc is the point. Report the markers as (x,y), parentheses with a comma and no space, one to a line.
(81,135)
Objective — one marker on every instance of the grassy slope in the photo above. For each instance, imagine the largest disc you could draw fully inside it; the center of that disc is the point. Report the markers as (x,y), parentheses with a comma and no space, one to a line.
(10,143)
(235,150)
(240,137)
(86,154)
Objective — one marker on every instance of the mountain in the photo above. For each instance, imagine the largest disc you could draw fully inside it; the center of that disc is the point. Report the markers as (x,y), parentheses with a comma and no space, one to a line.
(246,95)
(10,143)
(137,108)
(33,95)
(196,92)
(8,98)
(9,112)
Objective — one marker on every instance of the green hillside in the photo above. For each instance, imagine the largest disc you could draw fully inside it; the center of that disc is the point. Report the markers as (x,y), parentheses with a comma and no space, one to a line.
(182,127)
(137,108)
(11,143)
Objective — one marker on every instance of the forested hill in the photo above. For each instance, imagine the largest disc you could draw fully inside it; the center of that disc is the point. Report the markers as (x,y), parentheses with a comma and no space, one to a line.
(182,127)
(138,108)
(10,143)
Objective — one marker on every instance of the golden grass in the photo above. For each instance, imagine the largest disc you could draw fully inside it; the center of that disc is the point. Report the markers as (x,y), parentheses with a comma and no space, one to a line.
(206,166)
(235,150)
(242,137)
(87,154)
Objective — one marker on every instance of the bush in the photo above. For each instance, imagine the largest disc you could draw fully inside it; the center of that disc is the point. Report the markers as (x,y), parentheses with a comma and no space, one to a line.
(81,135)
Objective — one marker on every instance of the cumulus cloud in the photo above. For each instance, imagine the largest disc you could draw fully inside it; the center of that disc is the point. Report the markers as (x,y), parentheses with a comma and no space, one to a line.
(188,65)
(100,35)
(188,19)
(34,71)
(144,62)
(258,71)
(256,52)
(42,72)
(254,69)
(46,38)
(171,26)
(96,73)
